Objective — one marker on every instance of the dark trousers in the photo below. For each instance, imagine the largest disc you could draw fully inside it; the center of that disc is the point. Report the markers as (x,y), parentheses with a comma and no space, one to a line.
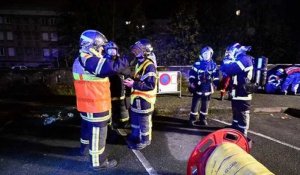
(241,115)
(196,109)
(141,126)
(119,112)
(93,135)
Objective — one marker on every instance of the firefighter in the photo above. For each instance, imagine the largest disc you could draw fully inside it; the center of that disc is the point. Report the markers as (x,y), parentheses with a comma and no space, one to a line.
(241,71)
(275,81)
(90,72)
(225,82)
(201,78)
(143,95)
(292,80)
(120,116)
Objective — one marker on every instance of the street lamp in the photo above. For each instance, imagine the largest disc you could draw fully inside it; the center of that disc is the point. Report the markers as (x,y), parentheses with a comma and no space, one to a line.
(237,12)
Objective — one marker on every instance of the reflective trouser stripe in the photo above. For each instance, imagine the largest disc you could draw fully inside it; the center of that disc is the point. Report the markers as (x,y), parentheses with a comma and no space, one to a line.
(90,117)
(241,114)
(135,126)
(117,98)
(146,127)
(194,113)
(141,126)
(86,142)
(203,113)
(95,145)
(145,111)
(124,119)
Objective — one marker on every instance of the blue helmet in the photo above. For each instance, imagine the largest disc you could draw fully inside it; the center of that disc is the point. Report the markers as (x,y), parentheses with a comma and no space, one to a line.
(237,49)
(206,53)
(111,49)
(279,72)
(142,48)
(91,41)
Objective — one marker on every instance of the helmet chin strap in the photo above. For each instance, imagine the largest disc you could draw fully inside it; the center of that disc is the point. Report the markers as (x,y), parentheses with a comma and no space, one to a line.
(97,54)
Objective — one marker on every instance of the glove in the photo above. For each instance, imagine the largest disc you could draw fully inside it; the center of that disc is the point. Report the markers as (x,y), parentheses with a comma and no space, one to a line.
(191,88)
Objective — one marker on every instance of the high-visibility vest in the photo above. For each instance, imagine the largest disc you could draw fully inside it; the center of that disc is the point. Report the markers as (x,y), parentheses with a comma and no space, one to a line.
(92,93)
(149,96)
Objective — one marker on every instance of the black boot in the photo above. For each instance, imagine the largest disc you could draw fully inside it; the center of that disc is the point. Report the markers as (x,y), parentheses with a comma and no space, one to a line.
(139,146)
(203,122)
(107,164)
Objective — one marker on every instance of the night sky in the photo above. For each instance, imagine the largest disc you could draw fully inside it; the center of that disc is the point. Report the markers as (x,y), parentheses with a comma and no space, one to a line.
(265,16)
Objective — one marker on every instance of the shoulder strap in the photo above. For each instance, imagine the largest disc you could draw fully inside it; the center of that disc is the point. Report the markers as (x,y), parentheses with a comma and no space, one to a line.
(143,67)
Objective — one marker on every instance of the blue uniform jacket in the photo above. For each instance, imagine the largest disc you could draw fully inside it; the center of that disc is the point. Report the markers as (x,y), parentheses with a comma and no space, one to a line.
(240,69)
(202,75)
(146,82)
(108,68)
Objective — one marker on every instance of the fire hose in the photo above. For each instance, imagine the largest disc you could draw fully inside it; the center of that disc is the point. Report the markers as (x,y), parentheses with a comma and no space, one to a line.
(224,152)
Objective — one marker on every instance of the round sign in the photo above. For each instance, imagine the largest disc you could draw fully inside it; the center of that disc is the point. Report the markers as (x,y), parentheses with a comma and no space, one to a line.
(164,79)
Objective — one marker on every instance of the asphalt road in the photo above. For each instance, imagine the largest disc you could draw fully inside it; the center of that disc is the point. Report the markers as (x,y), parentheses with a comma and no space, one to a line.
(28,147)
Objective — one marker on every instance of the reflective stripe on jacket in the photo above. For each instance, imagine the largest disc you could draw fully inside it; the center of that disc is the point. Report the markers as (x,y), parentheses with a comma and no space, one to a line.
(142,75)
(92,93)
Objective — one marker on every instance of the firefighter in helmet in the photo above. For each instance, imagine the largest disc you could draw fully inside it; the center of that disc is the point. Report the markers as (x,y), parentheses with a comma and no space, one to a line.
(225,82)
(143,95)
(120,116)
(201,78)
(241,71)
(90,72)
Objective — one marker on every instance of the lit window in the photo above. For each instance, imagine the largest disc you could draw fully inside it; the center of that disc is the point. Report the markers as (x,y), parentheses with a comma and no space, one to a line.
(55,53)
(11,52)
(46,52)
(1,36)
(45,36)
(53,36)
(9,36)
(2,53)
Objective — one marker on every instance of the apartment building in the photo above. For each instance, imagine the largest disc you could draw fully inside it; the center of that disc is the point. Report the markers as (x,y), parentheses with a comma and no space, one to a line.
(29,37)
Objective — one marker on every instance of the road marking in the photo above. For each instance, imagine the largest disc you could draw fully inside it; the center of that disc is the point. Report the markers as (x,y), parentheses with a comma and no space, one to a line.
(145,162)
(264,136)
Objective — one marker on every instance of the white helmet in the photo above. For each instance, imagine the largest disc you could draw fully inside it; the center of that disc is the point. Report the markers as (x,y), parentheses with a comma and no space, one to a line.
(206,53)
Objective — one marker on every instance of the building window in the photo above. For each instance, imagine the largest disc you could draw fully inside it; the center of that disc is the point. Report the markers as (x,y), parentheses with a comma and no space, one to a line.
(2,53)
(52,21)
(46,52)
(11,52)
(45,36)
(37,52)
(27,36)
(7,20)
(53,36)
(28,51)
(55,53)
(20,52)
(9,36)
(1,36)
(44,21)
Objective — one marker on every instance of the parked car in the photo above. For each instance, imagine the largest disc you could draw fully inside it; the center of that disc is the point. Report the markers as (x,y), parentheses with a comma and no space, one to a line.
(19,67)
